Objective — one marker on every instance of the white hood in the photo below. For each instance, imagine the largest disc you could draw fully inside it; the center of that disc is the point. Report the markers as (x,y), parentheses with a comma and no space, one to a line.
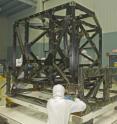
(58,91)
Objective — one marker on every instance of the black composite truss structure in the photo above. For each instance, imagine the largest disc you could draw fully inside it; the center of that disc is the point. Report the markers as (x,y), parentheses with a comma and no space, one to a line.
(68,29)
(72,30)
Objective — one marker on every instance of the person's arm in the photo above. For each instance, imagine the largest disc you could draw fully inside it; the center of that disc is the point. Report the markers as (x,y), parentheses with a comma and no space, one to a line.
(78,106)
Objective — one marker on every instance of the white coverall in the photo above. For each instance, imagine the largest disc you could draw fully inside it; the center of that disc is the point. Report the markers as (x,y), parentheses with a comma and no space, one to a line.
(19,61)
(59,109)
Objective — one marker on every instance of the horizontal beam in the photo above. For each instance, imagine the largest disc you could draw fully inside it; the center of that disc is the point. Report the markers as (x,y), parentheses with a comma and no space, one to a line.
(29,2)
(27,104)
(8,6)
(99,112)
(3,2)
(16,9)
(84,9)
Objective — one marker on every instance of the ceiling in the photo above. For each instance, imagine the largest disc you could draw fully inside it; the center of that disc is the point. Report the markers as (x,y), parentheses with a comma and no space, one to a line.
(11,7)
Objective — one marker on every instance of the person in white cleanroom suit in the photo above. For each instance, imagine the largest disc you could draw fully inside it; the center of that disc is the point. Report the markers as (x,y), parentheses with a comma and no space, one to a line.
(19,61)
(59,109)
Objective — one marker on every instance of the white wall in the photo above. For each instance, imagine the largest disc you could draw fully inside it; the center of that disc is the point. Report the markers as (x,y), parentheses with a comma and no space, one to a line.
(106,11)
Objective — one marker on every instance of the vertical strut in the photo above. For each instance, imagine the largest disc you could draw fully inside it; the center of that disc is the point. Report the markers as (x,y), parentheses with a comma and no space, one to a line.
(27,49)
(74,53)
(100,47)
(52,36)
(14,47)
(26,36)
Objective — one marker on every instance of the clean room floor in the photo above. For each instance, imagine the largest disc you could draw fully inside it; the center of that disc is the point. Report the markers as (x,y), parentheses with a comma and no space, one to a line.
(25,116)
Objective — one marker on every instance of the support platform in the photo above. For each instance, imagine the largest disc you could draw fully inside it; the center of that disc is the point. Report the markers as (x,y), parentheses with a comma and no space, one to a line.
(30,113)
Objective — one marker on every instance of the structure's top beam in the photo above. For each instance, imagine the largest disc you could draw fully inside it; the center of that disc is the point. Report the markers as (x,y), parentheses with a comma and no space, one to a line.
(84,9)
(61,7)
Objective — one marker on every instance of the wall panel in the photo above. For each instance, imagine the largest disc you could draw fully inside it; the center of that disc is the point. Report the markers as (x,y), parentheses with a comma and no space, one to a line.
(106,11)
